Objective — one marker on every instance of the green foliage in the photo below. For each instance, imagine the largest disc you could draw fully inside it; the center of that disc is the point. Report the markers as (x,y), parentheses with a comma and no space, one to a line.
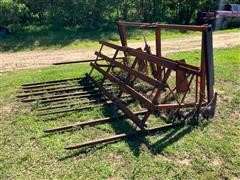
(12,12)
(94,14)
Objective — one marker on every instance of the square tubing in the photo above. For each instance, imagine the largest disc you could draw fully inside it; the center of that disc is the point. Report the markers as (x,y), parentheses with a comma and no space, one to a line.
(159,52)
(133,72)
(126,88)
(162,61)
(119,103)
(124,135)
(209,63)
(203,71)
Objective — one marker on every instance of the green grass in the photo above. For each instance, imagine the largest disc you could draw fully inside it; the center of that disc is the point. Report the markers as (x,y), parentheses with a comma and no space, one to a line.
(209,151)
(48,37)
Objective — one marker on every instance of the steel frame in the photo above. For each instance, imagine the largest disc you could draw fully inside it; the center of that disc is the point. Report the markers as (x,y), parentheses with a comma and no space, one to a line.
(162,69)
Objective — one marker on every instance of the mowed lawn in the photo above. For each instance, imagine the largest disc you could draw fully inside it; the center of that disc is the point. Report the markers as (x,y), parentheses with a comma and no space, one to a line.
(208,151)
(50,37)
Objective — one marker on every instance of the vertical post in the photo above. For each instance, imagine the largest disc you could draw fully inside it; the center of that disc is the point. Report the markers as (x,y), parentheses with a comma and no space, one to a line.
(122,33)
(209,63)
(158,50)
(123,38)
(158,42)
(203,69)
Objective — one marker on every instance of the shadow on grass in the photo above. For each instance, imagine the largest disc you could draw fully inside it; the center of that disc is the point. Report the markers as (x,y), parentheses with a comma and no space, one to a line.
(47,37)
(135,143)
(44,37)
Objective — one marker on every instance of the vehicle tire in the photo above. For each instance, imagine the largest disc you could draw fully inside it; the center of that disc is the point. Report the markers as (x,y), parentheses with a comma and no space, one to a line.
(4,31)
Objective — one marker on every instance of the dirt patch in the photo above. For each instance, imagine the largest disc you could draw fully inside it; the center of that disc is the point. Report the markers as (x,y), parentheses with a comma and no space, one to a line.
(116,159)
(6,110)
(185,162)
(216,162)
(35,59)
(180,162)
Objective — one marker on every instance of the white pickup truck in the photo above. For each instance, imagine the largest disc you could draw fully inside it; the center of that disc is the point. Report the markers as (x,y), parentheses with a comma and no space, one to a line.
(226,15)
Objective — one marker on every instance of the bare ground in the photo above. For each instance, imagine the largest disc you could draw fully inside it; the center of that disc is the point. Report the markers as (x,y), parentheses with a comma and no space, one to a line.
(33,59)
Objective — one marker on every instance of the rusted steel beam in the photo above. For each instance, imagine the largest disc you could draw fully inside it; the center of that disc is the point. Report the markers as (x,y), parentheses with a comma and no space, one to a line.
(148,131)
(54,84)
(88,102)
(81,61)
(152,65)
(76,62)
(114,46)
(133,24)
(122,34)
(167,75)
(158,42)
(179,27)
(119,103)
(123,38)
(60,96)
(52,91)
(161,61)
(126,88)
(159,74)
(56,93)
(168,63)
(65,98)
(133,72)
(203,71)
(161,68)
(73,109)
(175,106)
(165,26)
(91,122)
(49,88)
(58,106)
(84,87)
(44,85)
(51,82)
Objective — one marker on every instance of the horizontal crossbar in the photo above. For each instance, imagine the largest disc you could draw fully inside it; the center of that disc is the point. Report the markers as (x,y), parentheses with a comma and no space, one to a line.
(161,61)
(126,88)
(138,74)
(118,102)
(123,135)
(165,26)
(91,122)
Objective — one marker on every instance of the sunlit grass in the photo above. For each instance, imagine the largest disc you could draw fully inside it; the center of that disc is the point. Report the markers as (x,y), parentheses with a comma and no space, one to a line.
(210,151)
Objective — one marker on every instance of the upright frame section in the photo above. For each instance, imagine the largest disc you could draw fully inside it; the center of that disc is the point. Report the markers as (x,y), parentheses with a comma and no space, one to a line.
(207,63)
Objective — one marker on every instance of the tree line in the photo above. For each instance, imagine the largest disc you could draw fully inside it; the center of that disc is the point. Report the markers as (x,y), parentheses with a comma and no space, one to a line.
(96,14)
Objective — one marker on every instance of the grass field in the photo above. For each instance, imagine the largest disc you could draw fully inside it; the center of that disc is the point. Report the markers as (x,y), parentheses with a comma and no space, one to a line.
(209,151)
(44,37)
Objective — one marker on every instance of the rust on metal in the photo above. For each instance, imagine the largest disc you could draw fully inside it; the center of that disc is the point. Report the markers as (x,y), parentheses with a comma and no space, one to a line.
(155,83)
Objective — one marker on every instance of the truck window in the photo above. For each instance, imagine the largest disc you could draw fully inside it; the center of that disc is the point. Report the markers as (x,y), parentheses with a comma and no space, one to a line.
(227,7)
(238,7)
(235,7)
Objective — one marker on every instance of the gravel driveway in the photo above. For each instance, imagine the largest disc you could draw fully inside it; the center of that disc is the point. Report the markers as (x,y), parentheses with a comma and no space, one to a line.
(33,59)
